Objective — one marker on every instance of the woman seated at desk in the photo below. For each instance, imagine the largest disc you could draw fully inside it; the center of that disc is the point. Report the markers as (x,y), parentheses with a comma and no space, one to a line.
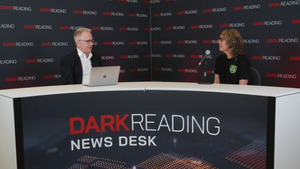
(232,67)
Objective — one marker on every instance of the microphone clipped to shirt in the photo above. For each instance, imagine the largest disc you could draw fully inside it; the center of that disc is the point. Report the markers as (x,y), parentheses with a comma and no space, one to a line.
(207,52)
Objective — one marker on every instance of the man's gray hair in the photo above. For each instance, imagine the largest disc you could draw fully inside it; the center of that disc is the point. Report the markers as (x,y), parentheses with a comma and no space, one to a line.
(79,31)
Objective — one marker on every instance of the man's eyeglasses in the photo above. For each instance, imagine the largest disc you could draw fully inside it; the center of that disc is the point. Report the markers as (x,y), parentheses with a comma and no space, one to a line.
(88,41)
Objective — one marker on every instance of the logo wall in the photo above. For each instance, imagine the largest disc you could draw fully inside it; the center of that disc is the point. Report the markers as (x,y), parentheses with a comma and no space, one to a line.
(173,36)
(46,38)
(270,42)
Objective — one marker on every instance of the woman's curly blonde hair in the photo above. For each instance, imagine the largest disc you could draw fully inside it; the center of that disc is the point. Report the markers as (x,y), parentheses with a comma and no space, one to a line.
(234,41)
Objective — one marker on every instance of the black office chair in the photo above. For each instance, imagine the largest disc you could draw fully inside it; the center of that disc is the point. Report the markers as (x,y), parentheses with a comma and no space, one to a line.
(254,78)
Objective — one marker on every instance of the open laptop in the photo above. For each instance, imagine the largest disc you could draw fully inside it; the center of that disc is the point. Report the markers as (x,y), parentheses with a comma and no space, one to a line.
(103,76)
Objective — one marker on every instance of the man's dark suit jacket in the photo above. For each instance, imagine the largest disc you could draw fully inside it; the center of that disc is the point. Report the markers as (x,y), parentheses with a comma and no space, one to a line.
(71,68)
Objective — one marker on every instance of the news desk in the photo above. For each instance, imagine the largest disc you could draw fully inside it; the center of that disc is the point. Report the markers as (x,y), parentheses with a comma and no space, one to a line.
(143,125)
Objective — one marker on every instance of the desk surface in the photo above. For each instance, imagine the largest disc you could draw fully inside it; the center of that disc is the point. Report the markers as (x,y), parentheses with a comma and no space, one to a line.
(146,86)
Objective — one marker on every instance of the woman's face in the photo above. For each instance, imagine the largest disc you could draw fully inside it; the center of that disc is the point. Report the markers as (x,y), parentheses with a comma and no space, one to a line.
(223,46)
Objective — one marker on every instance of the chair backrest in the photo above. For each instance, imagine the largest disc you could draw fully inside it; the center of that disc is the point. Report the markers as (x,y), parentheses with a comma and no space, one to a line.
(254,78)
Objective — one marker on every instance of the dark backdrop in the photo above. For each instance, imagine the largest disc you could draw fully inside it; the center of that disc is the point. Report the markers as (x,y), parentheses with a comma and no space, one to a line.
(47,28)
(160,41)
(186,28)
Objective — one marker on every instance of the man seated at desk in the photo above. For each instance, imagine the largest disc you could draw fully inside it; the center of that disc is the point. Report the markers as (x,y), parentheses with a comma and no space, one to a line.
(75,67)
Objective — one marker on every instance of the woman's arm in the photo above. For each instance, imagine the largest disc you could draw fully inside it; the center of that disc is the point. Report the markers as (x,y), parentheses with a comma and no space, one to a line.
(217,79)
(243,82)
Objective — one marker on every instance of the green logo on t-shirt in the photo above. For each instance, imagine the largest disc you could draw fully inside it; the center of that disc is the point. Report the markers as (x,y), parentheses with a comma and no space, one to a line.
(233,69)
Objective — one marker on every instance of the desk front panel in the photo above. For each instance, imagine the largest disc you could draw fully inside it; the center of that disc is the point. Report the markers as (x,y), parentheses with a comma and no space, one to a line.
(152,129)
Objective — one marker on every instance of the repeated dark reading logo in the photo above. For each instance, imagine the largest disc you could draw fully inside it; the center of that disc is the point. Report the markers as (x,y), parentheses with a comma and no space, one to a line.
(129,56)
(268,23)
(138,43)
(16,8)
(128,28)
(70,27)
(163,69)
(152,55)
(281,75)
(20,78)
(200,56)
(107,57)
(182,27)
(168,42)
(295,58)
(207,26)
(44,27)
(53,76)
(210,41)
(283,40)
(8,62)
(113,13)
(189,12)
(251,41)
(114,43)
(153,29)
(296,21)
(7,26)
(182,56)
(84,12)
(187,70)
(139,15)
(53,10)
(162,14)
(40,60)
(223,9)
(232,25)
(284,3)
(54,43)
(246,7)
(275,58)
(145,69)
(188,42)
(102,28)
(18,44)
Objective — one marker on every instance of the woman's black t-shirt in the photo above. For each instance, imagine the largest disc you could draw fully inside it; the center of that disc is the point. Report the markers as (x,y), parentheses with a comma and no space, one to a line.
(230,71)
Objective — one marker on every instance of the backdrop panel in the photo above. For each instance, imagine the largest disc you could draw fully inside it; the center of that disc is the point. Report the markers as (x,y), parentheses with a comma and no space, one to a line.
(184,29)
(35,35)
(158,40)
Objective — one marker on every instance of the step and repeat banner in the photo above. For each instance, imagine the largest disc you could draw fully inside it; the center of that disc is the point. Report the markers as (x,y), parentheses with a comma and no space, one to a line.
(184,29)
(35,35)
(158,40)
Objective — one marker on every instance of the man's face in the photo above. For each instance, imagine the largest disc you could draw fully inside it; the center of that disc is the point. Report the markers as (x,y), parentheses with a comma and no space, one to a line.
(85,42)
